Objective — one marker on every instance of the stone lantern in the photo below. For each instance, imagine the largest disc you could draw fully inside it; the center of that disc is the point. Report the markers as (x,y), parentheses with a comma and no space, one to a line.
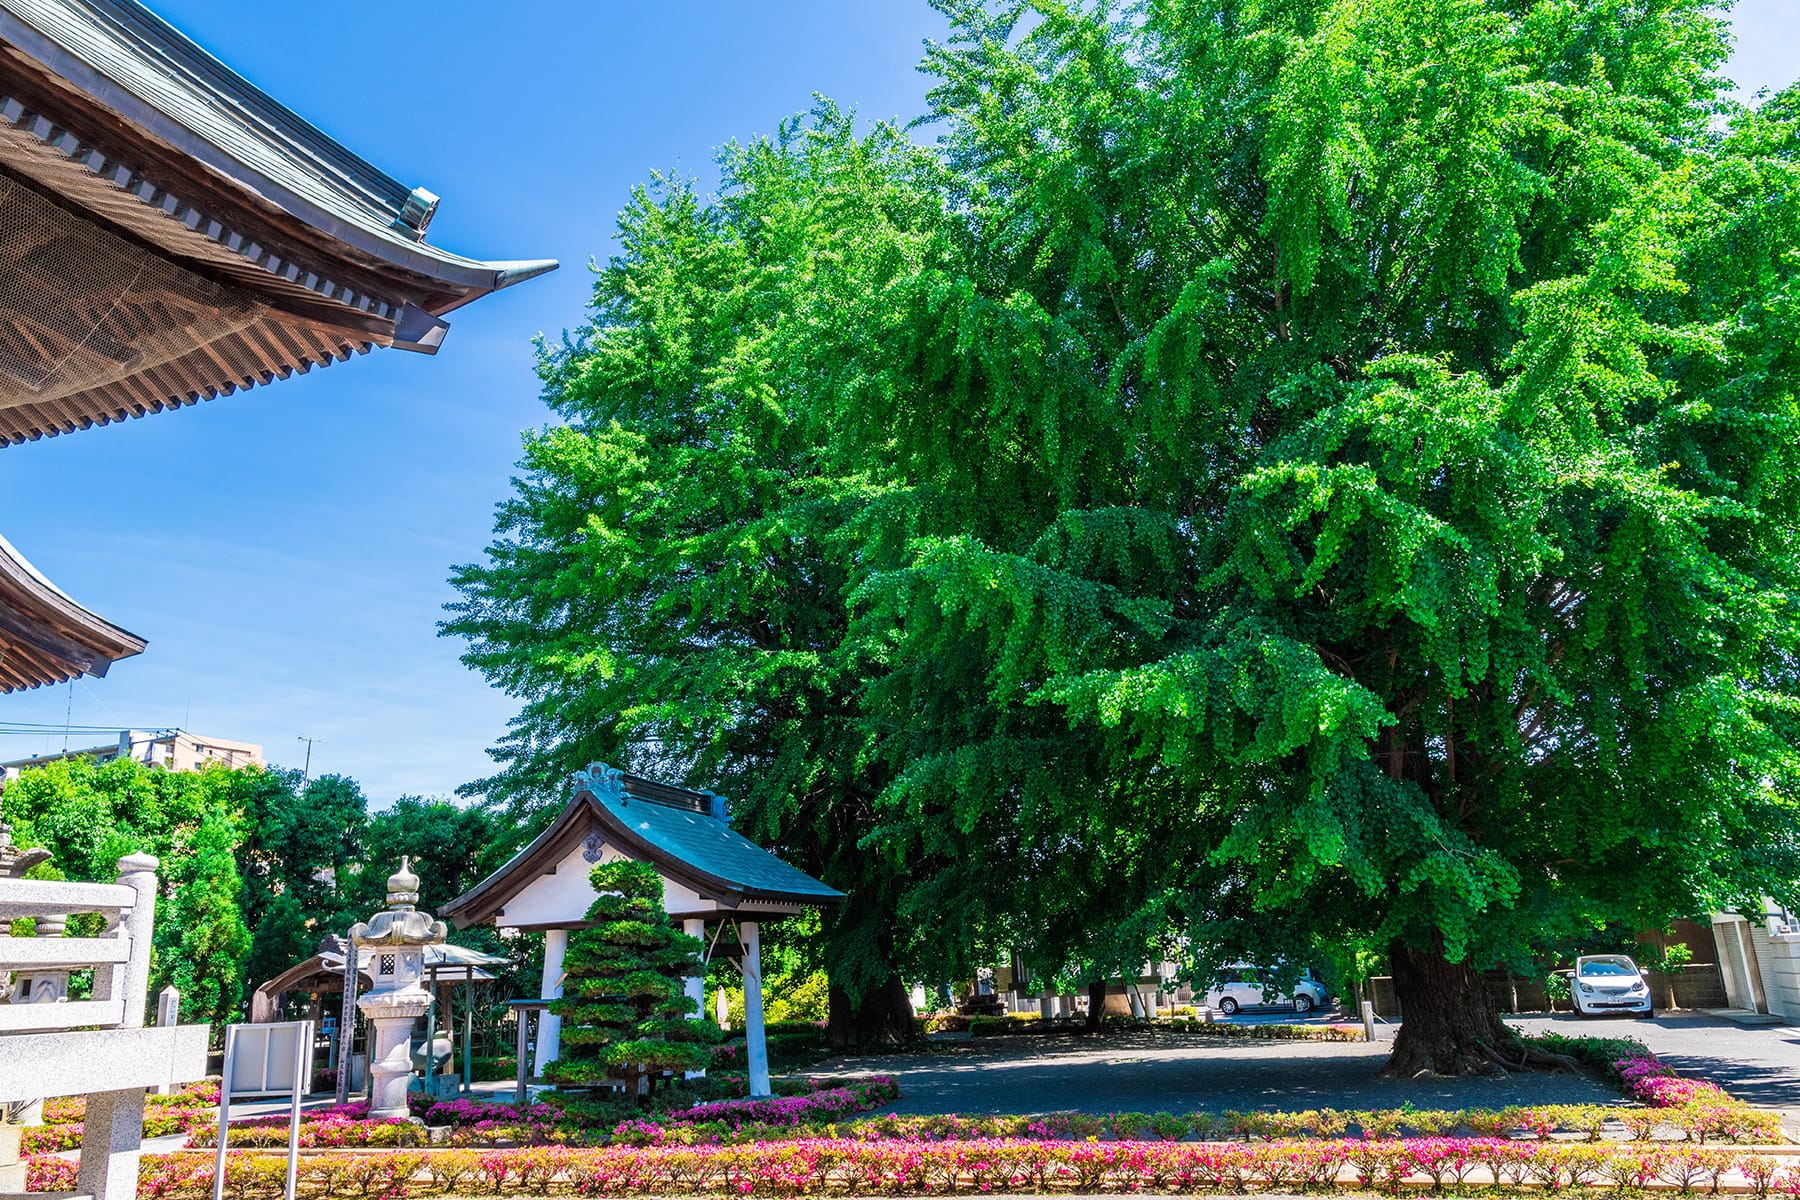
(391,945)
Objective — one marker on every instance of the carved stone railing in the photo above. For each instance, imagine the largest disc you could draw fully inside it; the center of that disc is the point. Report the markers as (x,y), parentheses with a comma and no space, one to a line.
(97,1047)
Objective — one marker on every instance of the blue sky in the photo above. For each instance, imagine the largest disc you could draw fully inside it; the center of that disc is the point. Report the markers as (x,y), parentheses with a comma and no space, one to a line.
(285,550)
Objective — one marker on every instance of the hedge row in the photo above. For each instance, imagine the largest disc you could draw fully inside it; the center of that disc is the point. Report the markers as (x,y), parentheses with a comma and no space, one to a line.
(477,1123)
(847,1167)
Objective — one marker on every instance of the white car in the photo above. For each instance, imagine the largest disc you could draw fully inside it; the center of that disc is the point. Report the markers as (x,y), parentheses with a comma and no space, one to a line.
(1609,983)
(1241,987)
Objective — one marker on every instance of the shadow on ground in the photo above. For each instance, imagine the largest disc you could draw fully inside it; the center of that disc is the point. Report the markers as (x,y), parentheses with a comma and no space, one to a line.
(1172,1073)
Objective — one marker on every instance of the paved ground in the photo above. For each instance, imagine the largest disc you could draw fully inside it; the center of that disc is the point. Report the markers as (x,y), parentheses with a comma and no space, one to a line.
(1174,1074)
(1759,1064)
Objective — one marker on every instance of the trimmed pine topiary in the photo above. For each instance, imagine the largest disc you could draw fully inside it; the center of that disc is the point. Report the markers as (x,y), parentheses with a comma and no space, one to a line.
(626,1016)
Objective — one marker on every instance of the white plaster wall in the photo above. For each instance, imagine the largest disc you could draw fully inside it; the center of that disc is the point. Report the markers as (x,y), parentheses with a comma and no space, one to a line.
(563,897)
(1779,957)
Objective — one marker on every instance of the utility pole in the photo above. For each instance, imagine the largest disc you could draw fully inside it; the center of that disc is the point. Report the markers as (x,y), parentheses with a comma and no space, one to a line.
(306,771)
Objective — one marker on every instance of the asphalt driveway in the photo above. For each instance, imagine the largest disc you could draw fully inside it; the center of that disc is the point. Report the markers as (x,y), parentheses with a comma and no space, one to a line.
(1757,1064)
(1172,1073)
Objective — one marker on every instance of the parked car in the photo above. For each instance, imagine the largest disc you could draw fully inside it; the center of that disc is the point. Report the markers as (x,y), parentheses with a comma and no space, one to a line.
(1242,987)
(1609,983)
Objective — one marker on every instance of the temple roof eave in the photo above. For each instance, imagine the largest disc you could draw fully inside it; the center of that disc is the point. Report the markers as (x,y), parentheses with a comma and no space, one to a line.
(108,51)
(45,636)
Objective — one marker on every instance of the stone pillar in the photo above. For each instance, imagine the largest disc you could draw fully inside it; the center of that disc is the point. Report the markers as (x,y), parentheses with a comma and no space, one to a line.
(395,941)
(549,1038)
(168,1012)
(757,1047)
(112,1135)
(1047,1006)
(113,1130)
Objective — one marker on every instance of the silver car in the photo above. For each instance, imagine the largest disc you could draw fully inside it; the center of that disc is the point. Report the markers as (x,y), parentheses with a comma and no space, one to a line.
(1609,983)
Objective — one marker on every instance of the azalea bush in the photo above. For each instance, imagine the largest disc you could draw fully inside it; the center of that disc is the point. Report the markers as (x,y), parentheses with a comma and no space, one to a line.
(812,1166)
(65,1134)
(333,1131)
(194,1098)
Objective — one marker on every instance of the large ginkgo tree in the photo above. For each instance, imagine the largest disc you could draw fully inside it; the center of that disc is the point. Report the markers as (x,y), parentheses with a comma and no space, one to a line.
(1274,470)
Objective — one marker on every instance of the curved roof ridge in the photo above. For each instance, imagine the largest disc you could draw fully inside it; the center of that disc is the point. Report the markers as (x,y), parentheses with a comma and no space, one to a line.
(51,637)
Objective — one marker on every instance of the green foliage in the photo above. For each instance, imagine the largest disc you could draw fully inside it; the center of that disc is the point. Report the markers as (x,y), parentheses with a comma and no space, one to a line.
(1313,470)
(626,1017)
(256,867)
(204,929)
(797,997)
(92,814)
(1667,961)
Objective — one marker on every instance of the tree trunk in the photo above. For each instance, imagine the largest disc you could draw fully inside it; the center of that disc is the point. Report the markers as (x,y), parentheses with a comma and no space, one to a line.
(1096,1006)
(885,1016)
(1449,1024)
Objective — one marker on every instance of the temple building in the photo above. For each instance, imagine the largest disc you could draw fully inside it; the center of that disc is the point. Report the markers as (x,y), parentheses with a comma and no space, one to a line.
(715,882)
(169,233)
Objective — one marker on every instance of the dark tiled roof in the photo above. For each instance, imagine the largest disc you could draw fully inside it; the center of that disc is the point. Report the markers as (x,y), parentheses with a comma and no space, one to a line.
(266,248)
(683,833)
(710,846)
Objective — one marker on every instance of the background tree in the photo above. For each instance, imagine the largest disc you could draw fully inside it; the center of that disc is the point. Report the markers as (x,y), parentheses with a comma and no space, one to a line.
(626,1016)
(92,814)
(256,869)
(669,589)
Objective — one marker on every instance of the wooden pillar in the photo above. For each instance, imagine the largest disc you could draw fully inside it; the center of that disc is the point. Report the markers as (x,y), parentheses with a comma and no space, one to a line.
(549,1041)
(754,1041)
(696,984)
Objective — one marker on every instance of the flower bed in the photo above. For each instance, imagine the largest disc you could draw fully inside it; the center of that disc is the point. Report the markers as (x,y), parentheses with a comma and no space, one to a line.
(332,1130)
(65,1134)
(889,1167)
(484,1123)
(825,1106)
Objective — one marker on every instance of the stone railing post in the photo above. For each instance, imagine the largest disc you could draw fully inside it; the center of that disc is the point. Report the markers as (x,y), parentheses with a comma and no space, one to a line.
(112,1132)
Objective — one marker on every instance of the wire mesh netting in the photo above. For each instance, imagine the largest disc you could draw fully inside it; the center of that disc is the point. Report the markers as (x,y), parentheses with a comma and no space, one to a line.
(81,307)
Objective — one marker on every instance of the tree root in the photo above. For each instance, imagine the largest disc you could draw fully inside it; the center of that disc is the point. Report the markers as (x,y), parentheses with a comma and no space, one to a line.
(1556,1062)
(1498,1059)
(1529,1056)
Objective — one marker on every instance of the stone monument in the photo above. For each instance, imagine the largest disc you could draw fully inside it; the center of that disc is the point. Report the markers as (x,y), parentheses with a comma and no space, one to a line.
(392,945)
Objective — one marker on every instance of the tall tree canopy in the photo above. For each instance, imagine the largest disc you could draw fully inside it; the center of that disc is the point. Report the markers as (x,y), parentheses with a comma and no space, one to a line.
(1277,469)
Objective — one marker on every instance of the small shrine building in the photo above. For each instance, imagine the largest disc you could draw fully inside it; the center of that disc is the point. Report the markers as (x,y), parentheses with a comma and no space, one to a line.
(715,880)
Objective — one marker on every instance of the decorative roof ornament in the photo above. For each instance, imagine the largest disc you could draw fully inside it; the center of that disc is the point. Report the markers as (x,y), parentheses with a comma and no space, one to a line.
(602,780)
(592,847)
(403,886)
(401,924)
